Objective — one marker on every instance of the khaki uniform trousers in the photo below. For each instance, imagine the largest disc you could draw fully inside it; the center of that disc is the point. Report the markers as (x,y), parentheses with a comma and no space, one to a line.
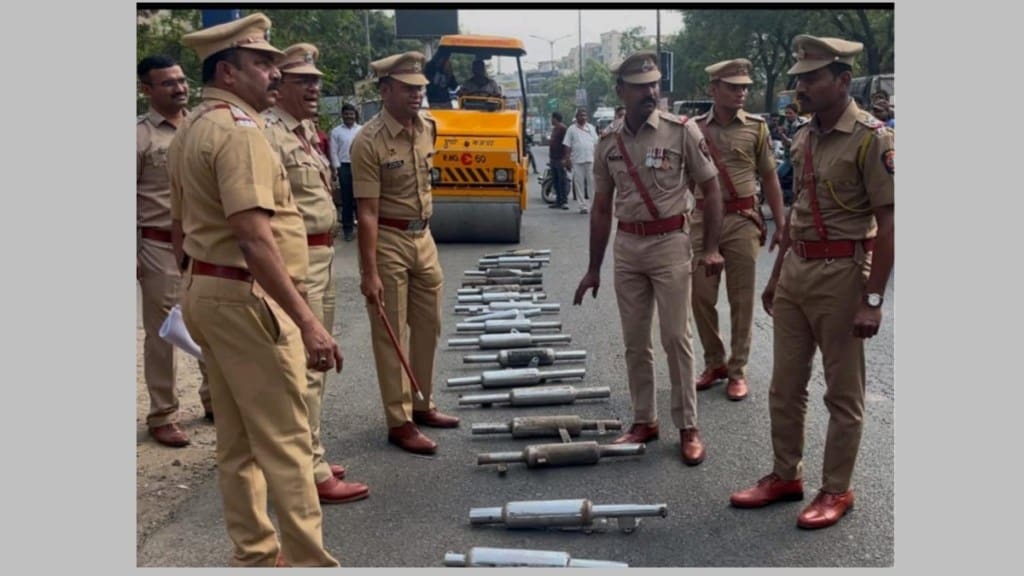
(413,283)
(321,298)
(739,244)
(161,285)
(649,270)
(257,366)
(815,302)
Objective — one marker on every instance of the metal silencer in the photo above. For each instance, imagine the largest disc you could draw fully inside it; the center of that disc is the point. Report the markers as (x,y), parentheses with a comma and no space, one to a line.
(489,297)
(513,340)
(552,455)
(510,558)
(496,288)
(542,396)
(528,252)
(506,326)
(540,426)
(504,273)
(565,514)
(516,377)
(481,308)
(505,314)
(526,357)
(498,280)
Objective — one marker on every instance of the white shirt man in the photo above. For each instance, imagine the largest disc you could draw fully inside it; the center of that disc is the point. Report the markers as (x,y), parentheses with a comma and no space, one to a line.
(579,142)
(341,161)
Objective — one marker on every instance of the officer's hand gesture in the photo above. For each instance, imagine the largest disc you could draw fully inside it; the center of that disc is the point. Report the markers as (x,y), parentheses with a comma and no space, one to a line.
(323,351)
(592,280)
(713,263)
(373,290)
(768,296)
(776,238)
(867,321)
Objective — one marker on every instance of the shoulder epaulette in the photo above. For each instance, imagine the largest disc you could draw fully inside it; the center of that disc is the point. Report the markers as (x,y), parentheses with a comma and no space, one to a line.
(681,120)
(373,126)
(756,118)
(241,118)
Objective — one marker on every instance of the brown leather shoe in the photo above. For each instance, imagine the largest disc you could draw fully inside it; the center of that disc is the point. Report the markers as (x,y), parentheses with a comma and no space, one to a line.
(771,488)
(712,375)
(409,438)
(691,448)
(638,434)
(434,419)
(334,491)
(826,509)
(170,435)
(736,389)
(338,471)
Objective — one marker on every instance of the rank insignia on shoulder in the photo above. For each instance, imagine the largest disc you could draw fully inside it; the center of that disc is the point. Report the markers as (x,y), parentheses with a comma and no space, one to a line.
(241,118)
(889,161)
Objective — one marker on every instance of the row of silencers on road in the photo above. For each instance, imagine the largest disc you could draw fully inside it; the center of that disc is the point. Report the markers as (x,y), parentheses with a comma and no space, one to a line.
(526,357)
(496,273)
(480,557)
(496,288)
(512,377)
(490,307)
(541,396)
(511,340)
(514,262)
(489,297)
(569,426)
(561,454)
(508,325)
(576,514)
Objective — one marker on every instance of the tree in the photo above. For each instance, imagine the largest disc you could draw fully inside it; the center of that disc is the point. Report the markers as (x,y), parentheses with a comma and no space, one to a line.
(874,29)
(633,40)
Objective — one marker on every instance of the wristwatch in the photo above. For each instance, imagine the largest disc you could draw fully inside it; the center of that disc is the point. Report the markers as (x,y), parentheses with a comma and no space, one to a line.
(873,299)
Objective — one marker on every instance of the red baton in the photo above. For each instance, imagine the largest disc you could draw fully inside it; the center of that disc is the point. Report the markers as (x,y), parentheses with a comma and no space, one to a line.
(398,350)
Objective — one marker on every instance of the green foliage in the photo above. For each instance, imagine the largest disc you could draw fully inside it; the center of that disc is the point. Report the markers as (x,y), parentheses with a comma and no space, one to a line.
(340,36)
(764,36)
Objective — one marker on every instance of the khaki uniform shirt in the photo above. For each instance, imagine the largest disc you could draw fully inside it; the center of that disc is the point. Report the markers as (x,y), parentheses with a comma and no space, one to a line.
(308,170)
(683,152)
(153,136)
(393,165)
(745,150)
(221,164)
(854,173)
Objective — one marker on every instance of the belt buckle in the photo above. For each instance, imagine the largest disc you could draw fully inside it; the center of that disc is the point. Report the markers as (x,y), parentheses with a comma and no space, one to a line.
(416,225)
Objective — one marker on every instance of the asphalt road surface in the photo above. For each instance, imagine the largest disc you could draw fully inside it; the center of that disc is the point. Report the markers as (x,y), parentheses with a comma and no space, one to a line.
(419,506)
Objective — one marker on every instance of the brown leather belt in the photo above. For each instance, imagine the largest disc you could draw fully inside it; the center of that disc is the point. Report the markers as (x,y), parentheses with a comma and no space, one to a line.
(158,234)
(830,248)
(201,268)
(407,225)
(653,227)
(322,239)
(731,206)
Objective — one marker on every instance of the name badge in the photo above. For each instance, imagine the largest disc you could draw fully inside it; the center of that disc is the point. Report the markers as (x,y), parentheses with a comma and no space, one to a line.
(395,164)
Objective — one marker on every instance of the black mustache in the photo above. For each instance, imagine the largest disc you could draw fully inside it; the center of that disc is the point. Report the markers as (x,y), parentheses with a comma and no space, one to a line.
(651,100)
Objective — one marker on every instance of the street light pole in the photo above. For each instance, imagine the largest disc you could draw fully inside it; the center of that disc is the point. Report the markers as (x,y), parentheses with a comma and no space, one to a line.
(551,44)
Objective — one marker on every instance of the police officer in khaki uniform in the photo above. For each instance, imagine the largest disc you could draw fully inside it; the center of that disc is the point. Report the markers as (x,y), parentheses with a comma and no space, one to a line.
(740,146)
(401,276)
(291,134)
(642,166)
(165,86)
(243,303)
(826,288)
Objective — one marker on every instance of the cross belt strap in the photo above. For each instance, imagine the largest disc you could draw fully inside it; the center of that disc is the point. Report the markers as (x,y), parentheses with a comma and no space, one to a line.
(812,189)
(716,157)
(636,178)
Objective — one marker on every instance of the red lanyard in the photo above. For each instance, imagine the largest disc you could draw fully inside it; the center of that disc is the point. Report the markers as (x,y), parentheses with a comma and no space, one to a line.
(813,190)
